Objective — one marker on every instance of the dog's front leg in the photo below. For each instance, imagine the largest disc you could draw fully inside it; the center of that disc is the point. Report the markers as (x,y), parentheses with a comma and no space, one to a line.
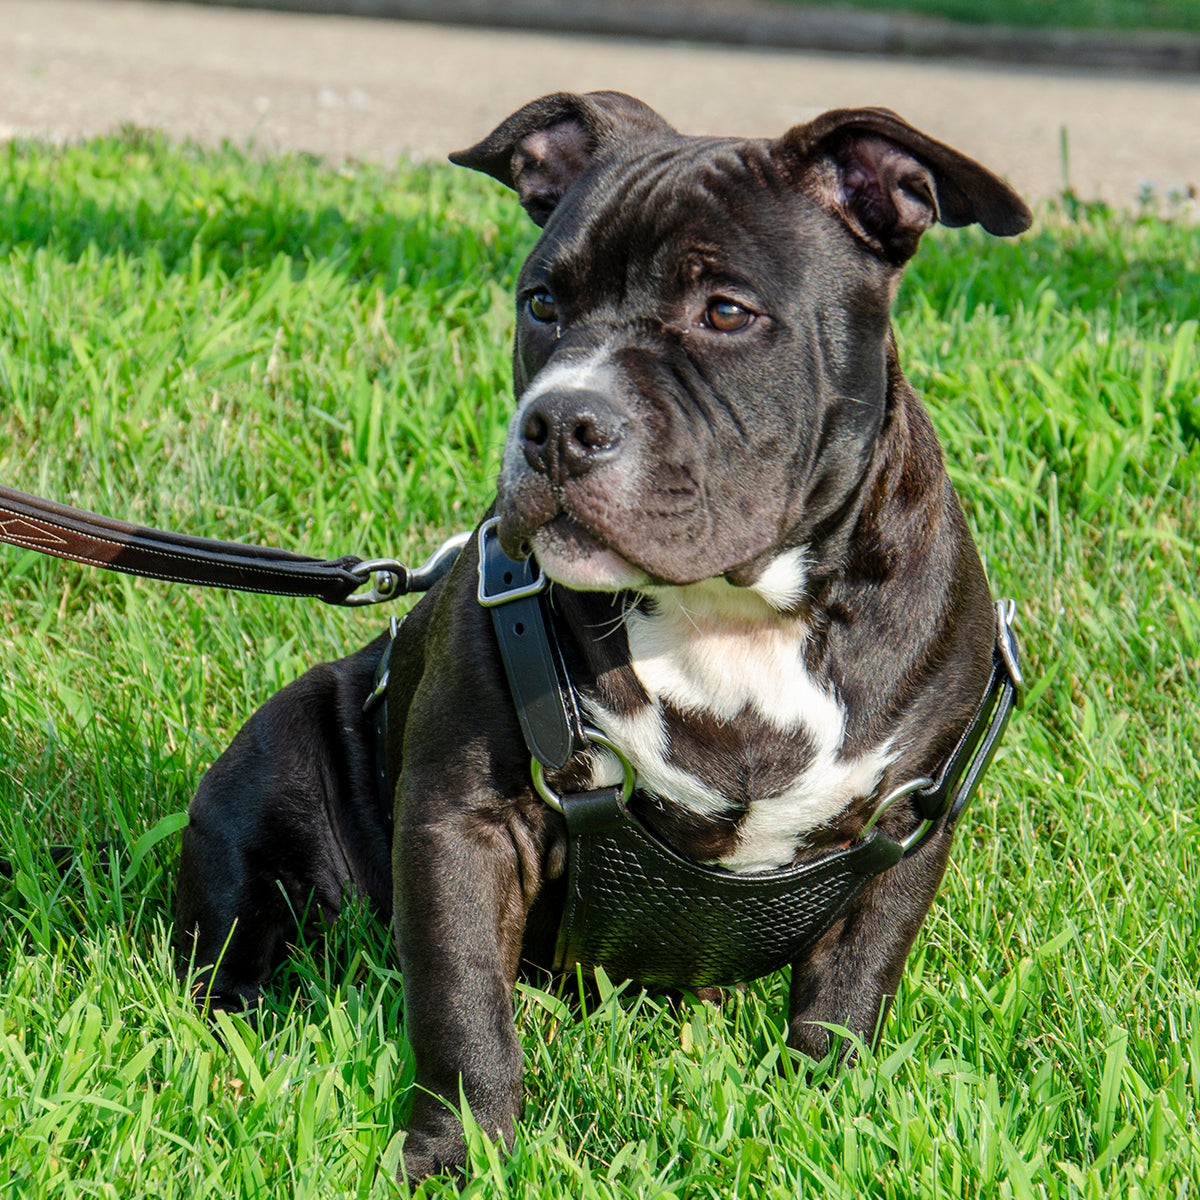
(460,910)
(850,975)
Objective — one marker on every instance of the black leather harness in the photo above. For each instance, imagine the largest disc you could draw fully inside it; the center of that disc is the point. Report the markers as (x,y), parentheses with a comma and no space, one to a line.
(634,906)
(637,908)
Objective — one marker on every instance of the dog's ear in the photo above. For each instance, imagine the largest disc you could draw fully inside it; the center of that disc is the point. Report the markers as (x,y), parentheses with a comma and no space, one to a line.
(544,147)
(889,182)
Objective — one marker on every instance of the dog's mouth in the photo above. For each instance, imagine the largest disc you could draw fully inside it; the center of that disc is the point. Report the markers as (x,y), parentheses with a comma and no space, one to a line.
(605,533)
(577,555)
(537,519)
(574,556)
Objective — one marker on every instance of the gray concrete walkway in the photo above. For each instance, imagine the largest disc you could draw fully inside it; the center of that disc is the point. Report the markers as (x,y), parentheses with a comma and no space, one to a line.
(342,86)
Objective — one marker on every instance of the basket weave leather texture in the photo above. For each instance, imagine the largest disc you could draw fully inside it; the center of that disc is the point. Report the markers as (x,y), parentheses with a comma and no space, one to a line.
(641,912)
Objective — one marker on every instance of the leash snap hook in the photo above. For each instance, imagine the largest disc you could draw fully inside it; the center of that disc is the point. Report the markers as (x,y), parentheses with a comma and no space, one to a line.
(388,579)
(392,578)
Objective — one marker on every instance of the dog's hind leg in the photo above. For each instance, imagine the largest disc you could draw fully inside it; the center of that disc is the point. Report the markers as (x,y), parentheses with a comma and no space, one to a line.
(285,821)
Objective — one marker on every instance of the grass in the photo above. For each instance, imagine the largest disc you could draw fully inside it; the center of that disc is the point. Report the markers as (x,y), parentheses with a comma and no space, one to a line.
(1069,14)
(279,350)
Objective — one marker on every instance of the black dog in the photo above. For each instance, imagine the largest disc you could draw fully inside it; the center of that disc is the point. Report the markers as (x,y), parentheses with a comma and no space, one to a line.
(763,584)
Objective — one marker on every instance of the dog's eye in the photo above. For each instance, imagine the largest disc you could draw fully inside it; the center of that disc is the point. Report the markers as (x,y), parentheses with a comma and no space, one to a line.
(542,308)
(726,316)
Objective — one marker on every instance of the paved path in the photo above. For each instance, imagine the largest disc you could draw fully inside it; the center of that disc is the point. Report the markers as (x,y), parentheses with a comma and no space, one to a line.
(375,89)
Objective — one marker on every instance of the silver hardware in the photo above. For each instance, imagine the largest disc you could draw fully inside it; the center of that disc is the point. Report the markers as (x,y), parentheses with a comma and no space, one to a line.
(381,680)
(905,789)
(491,599)
(554,800)
(391,578)
(388,579)
(438,563)
(913,838)
(1005,611)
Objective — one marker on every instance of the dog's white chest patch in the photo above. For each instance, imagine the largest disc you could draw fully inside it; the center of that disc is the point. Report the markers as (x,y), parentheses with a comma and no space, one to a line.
(721,655)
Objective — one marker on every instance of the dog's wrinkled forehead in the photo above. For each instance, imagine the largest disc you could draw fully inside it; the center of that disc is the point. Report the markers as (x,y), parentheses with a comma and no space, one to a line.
(663,211)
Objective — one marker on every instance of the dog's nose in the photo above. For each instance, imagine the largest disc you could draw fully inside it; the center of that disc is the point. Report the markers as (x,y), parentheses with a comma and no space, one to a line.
(566,434)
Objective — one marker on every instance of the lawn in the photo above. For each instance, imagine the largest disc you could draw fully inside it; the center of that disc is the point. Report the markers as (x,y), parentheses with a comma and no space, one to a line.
(286,351)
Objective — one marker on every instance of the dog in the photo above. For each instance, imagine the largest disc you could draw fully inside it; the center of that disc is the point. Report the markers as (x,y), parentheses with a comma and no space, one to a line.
(765,589)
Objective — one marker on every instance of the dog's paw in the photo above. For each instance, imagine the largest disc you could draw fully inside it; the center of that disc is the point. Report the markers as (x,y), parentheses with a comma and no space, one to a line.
(436,1144)
(209,997)
(826,1054)
(424,1155)
(679,998)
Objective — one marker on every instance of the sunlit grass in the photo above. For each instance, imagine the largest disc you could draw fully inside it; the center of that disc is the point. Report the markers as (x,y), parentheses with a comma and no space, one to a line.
(286,352)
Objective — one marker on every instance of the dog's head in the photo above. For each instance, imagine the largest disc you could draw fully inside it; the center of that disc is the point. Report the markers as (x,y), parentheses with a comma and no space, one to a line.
(702,331)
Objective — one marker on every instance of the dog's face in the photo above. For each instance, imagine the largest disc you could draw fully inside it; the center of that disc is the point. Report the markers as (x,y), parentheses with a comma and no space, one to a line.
(651,319)
(674,276)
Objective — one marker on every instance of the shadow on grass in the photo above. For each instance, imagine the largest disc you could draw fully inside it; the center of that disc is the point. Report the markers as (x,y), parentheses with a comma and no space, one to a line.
(136,194)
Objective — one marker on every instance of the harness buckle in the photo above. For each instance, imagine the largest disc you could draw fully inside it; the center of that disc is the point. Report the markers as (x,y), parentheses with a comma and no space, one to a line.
(514,589)
(1006,643)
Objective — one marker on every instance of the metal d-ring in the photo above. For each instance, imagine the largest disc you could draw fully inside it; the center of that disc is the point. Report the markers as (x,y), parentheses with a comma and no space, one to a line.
(1006,610)
(905,789)
(554,800)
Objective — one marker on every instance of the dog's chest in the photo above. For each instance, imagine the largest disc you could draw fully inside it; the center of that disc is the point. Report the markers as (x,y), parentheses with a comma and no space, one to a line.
(736,745)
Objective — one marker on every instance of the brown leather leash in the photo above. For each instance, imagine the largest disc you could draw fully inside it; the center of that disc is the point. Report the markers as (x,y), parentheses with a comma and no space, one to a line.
(85,537)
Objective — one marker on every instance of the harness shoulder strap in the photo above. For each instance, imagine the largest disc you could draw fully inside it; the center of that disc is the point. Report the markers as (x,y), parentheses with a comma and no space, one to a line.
(955,784)
(516,593)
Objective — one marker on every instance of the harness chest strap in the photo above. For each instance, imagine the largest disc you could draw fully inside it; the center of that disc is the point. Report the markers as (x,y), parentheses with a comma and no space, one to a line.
(640,910)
